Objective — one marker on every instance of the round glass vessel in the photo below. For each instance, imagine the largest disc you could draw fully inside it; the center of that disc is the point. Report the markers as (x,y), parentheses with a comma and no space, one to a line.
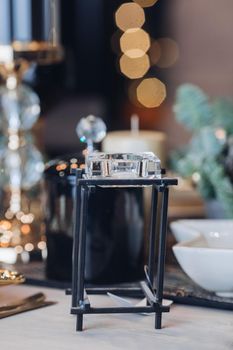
(115,230)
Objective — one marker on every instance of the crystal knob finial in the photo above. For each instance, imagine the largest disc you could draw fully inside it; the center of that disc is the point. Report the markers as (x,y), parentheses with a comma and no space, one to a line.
(91,130)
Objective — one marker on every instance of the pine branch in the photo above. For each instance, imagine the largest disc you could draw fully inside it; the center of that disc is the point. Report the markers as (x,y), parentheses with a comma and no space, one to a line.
(192,107)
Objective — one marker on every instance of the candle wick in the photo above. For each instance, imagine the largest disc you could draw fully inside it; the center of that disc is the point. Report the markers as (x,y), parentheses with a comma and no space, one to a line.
(134,122)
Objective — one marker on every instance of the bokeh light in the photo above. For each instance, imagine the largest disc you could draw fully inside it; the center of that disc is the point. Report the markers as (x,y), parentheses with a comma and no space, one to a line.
(19,249)
(29,247)
(196,177)
(151,92)
(221,134)
(134,68)
(169,52)
(74,166)
(129,15)
(42,245)
(155,52)
(27,218)
(25,229)
(145,3)
(5,225)
(61,166)
(135,42)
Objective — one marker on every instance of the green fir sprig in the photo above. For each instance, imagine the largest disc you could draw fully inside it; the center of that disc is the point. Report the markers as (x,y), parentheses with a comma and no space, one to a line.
(211,124)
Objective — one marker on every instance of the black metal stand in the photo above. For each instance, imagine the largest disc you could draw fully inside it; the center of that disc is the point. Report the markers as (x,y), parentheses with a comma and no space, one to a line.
(80,302)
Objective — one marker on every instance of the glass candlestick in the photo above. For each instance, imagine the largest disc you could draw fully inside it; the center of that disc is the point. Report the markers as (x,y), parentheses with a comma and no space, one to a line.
(29,33)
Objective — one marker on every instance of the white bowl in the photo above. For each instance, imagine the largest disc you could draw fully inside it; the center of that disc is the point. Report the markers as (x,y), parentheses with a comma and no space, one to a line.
(210,268)
(218,233)
(183,230)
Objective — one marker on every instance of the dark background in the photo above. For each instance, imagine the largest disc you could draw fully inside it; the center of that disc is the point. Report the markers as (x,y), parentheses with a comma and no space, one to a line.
(88,80)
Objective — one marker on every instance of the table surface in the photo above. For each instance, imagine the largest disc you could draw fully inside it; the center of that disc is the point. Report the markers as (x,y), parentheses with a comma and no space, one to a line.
(53,327)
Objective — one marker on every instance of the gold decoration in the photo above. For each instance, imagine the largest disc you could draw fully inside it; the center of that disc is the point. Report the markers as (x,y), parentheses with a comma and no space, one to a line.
(10,277)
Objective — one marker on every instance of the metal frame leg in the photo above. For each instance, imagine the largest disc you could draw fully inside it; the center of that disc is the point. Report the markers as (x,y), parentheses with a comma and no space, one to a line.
(76,226)
(81,304)
(161,255)
(81,255)
(153,221)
